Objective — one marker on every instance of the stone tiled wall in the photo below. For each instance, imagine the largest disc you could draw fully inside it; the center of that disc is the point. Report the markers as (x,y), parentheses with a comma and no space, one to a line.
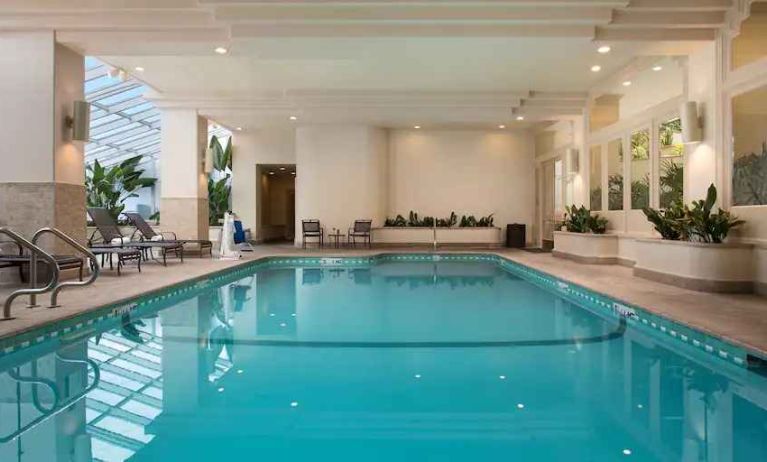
(187,217)
(27,207)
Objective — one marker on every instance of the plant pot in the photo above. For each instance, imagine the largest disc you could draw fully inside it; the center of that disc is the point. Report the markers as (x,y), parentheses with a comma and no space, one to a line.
(723,268)
(599,249)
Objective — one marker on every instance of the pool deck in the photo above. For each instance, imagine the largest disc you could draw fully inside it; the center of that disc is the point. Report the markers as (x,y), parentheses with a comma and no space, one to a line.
(739,319)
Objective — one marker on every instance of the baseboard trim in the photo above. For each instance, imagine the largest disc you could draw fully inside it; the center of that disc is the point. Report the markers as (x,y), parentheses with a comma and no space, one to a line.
(700,285)
(586,260)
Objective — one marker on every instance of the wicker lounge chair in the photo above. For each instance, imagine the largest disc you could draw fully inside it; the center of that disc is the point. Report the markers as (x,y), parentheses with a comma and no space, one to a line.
(112,237)
(149,234)
(12,255)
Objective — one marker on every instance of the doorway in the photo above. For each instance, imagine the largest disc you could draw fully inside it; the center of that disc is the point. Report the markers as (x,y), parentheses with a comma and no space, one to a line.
(551,181)
(275,202)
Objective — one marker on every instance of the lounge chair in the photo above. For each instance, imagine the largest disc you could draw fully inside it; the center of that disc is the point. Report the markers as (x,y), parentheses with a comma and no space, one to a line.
(123,254)
(149,234)
(17,258)
(113,238)
(361,230)
(312,229)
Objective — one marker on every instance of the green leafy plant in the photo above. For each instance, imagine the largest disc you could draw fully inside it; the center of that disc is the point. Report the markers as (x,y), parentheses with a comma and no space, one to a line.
(671,183)
(668,222)
(640,193)
(749,178)
(696,223)
(595,198)
(706,226)
(615,192)
(447,222)
(398,222)
(219,181)
(109,187)
(581,220)
(415,222)
(471,221)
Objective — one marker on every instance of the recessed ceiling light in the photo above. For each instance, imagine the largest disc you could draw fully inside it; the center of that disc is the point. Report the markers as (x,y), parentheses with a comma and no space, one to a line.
(271,173)
(520,118)
(596,68)
(657,68)
(627,83)
(416,127)
(293,118)
(502,127)
(239,129)
(139,69)
(293,173)
(282,168)
(221,50)
(604,49)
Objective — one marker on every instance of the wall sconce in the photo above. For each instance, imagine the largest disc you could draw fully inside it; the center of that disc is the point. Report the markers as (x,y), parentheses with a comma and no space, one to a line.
(207,160)
(80,121)
(573,161)
(692,123)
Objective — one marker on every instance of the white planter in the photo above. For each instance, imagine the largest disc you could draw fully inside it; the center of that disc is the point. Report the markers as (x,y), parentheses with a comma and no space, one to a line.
(727,268)
(490,237)
(599,249)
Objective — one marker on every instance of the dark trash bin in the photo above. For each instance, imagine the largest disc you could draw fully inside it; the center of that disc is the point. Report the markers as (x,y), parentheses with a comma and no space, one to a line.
(515,235)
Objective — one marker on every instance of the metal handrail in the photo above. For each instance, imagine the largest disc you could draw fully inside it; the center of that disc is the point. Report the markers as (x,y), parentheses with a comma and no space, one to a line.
(32,291)
(77,246)
(59,405)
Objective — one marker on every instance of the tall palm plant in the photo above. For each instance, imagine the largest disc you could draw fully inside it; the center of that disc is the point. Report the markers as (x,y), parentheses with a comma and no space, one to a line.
(219,181)
(109,187)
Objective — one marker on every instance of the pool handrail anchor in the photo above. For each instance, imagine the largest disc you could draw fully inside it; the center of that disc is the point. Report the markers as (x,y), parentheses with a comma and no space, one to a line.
(32,291)
(94,266)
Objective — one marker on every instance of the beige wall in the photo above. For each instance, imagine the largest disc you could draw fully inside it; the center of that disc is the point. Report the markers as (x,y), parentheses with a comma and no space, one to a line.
(340,175)
(469,172)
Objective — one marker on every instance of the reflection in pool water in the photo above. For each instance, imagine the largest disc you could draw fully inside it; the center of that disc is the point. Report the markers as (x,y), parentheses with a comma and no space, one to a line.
(399,361)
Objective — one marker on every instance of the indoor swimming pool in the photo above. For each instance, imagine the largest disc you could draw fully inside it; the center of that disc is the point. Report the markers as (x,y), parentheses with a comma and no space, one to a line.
(391,358)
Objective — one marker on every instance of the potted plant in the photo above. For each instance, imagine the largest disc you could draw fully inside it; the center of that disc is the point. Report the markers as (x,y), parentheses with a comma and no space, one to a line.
(583,238)
(693,251)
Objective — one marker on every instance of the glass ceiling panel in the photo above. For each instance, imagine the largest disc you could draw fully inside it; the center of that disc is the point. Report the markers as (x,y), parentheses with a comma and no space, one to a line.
(123,123)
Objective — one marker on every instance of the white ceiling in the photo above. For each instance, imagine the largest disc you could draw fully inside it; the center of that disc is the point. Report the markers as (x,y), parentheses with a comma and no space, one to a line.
(388,62)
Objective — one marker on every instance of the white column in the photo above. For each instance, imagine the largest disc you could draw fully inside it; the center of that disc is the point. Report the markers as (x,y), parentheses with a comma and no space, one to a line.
(184,183)
(341,175)
(42,174)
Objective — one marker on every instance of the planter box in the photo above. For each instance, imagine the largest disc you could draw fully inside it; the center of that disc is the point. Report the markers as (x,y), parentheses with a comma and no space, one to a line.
(600,249)
(487,237)
(725,268)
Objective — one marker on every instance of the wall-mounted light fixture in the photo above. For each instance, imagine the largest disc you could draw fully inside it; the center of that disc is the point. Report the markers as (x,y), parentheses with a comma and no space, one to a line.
(207,161)
(80,121)
(692,123)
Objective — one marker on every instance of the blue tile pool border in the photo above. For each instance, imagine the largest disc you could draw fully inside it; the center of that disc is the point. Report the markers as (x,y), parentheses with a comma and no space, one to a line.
(111,314)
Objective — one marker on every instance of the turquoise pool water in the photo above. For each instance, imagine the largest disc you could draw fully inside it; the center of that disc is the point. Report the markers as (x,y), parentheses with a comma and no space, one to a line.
(393,361)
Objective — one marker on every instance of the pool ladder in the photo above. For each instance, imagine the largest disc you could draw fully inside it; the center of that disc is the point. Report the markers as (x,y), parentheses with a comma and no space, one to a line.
(53,286)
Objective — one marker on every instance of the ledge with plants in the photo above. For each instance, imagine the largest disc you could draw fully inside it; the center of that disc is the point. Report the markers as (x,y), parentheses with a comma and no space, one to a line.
(693,251)
(451,230)
(583,238)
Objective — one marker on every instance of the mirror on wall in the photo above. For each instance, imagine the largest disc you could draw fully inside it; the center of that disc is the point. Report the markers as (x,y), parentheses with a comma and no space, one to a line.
(595,178)
(671,161)
(640,169)
(749,133)
(615,174)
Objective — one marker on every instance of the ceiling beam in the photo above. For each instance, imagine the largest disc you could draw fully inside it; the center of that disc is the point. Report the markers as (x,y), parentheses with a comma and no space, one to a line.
(410,30)
(668,19)
(639,34)
(413,12)
(677,5)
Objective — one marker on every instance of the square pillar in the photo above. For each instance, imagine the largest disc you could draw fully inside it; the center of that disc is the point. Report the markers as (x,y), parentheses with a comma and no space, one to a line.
(42,179)
(183,182)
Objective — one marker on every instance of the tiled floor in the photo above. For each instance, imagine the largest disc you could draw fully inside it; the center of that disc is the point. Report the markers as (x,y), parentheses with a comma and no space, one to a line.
(742,319)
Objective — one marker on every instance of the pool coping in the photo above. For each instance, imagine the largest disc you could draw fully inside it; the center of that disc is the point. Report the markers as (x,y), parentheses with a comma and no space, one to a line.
(717,345)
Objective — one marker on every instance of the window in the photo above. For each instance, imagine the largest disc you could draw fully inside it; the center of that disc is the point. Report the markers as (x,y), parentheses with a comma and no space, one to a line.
(558,181)
(640,169)
(671,179)
(749,132)
(615,174)
(595,178)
